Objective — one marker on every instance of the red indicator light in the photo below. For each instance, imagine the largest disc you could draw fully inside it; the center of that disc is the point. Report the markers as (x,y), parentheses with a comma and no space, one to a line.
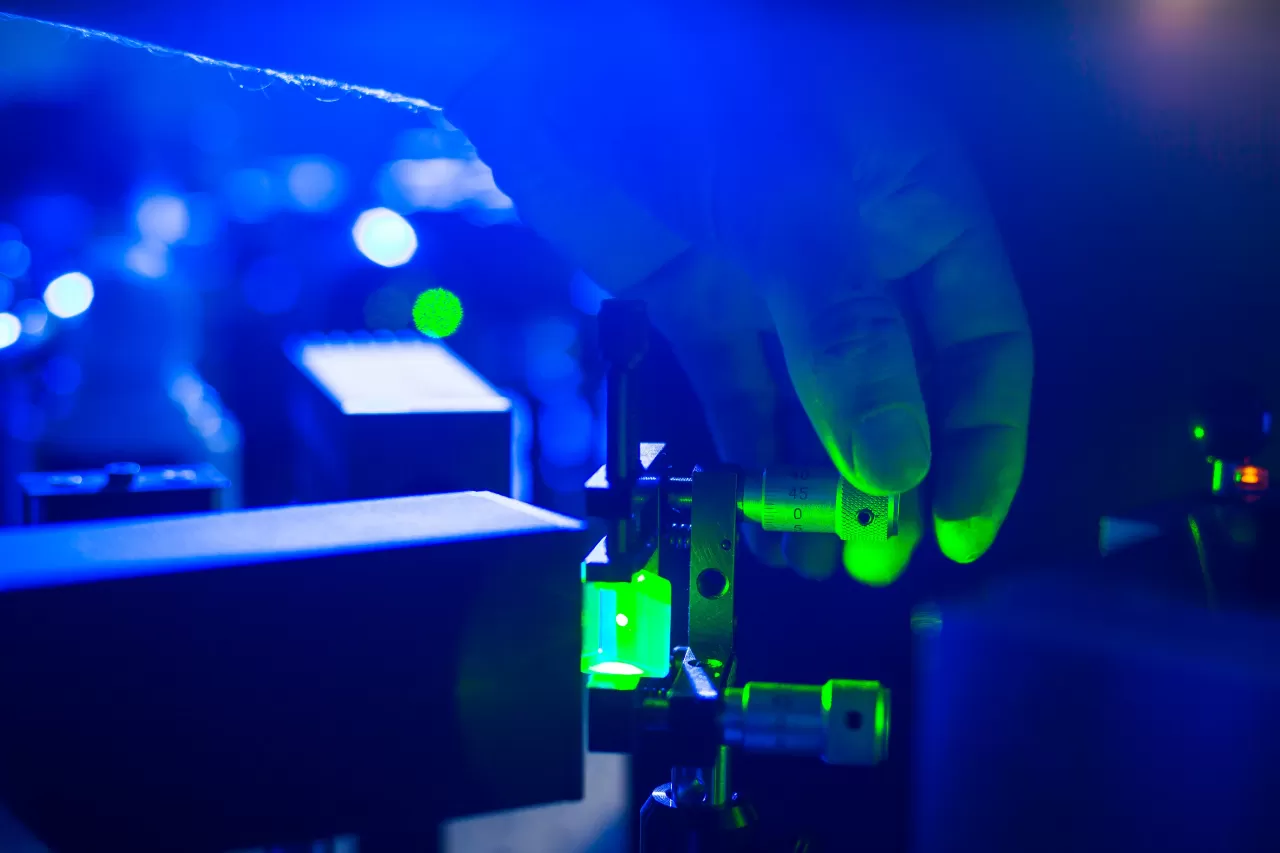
(1251,477)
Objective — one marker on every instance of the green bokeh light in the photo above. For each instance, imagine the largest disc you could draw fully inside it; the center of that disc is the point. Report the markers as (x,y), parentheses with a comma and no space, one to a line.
(1198,432)
(437,312)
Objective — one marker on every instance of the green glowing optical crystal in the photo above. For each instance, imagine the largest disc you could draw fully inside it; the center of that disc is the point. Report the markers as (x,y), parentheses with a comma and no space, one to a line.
(626,628)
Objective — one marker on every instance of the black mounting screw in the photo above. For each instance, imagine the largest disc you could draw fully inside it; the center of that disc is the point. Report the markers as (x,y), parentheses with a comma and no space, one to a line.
(725,544)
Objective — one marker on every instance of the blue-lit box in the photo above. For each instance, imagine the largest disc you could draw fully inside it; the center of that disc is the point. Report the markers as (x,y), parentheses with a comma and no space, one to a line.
(390,416)
(239,680)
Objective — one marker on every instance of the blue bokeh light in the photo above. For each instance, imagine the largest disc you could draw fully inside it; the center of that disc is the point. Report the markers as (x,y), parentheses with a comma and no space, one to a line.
(552,372)
(34,317)
(315,184)
(10,330)
(163,219)
(69,295)
(149,259)
(385,237)
(15,258)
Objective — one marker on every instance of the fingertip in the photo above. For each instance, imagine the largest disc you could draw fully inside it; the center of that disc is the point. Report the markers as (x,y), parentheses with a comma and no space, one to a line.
(891,451)
(977,476)
(967,539)
(881,563)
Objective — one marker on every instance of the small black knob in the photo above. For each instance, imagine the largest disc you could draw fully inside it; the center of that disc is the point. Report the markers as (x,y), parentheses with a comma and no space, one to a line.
(120,475)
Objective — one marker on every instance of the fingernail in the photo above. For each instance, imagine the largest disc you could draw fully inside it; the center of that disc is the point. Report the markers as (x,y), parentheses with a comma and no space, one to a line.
(891,450)
(967,539)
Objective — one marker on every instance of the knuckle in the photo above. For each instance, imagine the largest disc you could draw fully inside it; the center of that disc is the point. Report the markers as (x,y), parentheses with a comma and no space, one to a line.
(856,327)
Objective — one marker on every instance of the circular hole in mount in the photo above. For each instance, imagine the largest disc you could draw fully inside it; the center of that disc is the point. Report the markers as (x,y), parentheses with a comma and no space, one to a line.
(712,584)
(865,517)
(853,720)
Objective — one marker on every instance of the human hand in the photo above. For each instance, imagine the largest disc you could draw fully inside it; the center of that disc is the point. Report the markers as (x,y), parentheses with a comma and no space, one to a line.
(796,195)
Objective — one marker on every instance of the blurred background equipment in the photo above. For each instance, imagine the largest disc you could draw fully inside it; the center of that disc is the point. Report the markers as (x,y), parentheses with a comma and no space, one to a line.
(167,230)
(1167,648)
(1216,545)
(163,234)
(121,490)
(1152,718)
(392,416)
(387,416)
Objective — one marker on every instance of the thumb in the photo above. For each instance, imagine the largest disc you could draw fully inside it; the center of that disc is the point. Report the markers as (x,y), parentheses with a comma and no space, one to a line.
(849,356)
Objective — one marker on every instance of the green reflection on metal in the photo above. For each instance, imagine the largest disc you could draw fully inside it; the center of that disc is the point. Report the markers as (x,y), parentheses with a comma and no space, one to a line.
(882,725)
(881,717)
(926,619)
(1217,476)
(1210,590)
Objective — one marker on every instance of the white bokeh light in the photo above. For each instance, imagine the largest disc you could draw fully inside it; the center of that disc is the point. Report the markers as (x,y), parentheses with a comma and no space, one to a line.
(69,295)
(385,237)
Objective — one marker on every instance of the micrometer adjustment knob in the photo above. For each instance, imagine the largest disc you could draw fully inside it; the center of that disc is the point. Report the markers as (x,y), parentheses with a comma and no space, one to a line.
(842,722)
(802,499)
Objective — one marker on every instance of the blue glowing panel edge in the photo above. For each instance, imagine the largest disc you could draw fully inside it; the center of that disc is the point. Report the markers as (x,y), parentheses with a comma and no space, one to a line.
(67,554)
(390,375)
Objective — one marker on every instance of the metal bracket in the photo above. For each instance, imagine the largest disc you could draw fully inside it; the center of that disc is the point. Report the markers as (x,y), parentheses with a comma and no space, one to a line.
(639,507)
(713,546)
